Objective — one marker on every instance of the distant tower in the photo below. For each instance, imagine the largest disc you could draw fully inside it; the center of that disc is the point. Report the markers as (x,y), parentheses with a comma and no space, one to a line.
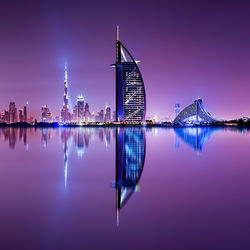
(65,115)
(87,112)
(46,115)
(107,117)
(75,113)
(114,116)
(12,112)
(21,117)
(25,113)
(80,108)
(100,116)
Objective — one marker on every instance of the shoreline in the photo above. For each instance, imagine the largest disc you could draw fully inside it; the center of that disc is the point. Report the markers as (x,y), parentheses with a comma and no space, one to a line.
(166,125)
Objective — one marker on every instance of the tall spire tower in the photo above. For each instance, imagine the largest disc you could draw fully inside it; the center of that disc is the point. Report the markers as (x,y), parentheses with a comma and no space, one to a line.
(65,97)
(65,115)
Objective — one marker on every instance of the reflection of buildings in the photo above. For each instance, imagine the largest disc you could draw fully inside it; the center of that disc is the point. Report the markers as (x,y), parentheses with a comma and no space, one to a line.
(130,157)
(65,136)
(130,91)
(11,134)
(195,137)
(82,140)
(45,137)
(194,113)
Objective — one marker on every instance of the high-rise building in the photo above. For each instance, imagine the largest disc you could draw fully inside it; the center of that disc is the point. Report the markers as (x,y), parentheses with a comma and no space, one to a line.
(107,117)
(6,117)
(21,115)
(25,114)
(87,112)
(100,116)
(46,115)
(114,116)
(75,113)
(130,91)
(65,115)
(12,113)
(80,108)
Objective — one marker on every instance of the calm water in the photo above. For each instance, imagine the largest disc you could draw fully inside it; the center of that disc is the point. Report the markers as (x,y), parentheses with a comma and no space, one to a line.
(101,188)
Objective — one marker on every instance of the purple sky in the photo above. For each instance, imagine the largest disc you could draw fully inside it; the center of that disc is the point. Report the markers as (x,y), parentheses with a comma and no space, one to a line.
(188,49)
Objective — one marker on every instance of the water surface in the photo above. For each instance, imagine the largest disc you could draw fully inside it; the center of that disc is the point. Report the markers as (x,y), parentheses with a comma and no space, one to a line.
(133,188)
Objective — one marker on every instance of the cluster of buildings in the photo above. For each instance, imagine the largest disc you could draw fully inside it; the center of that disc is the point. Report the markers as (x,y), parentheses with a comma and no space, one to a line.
(81,111)
(14,115)
(130,101)
(130,98)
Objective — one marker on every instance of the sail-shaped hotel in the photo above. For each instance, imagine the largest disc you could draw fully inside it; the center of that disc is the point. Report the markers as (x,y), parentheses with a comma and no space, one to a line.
(130,91)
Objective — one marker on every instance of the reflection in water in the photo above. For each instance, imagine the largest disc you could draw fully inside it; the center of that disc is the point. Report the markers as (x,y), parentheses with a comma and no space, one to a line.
(66,140)
(11,135)
(195,137)
(45,137)
(80,136)
(130,157)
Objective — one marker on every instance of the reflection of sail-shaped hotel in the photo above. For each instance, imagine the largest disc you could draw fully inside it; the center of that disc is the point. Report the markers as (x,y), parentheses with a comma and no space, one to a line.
(130,157)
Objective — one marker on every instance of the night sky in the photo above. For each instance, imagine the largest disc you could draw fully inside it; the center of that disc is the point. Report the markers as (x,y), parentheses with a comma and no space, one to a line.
(187,49)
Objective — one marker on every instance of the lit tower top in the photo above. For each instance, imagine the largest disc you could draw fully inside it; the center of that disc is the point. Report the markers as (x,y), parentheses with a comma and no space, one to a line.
(66,75)
(65,97)
(80,98)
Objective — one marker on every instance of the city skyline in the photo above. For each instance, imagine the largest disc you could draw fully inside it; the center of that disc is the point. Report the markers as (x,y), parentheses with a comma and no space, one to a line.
(190,51)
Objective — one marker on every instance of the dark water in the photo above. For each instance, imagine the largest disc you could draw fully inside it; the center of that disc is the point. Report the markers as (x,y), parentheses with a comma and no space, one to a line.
(134,188)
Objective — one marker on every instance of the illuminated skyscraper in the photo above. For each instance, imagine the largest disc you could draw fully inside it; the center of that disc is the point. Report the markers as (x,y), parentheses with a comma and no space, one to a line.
(100,116)
(6,116)
(21,115)
(87,112)
(107,116)
(25,113)
(46,115)
(80,108)
(75,113)
(130,91)
(65,115)
(12,113)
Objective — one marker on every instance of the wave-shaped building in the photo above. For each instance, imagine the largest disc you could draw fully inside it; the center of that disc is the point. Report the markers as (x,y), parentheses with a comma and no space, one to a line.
(194,113)
(130,90)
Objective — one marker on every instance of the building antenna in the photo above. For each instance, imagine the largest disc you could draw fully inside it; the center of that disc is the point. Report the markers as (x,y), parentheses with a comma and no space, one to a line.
(65,73)
(117,32)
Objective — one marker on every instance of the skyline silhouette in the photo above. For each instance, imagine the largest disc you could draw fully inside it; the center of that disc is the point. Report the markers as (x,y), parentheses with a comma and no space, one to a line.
(187,51)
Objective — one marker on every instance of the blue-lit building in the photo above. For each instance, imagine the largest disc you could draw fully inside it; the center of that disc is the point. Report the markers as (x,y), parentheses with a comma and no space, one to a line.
(194,113)
(130,91)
